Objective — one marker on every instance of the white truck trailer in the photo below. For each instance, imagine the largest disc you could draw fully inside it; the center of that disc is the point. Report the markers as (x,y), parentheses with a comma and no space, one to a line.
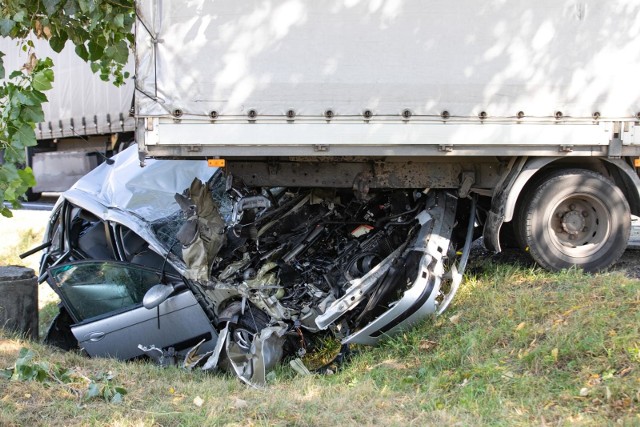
(85,118)
(533,108)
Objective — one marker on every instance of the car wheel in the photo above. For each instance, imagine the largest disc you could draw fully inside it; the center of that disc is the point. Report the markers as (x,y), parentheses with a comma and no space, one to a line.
(575,217)
(59,333)
(243,331)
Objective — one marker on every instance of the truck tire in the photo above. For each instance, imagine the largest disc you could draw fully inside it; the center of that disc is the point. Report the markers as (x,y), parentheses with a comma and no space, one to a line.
(574,217)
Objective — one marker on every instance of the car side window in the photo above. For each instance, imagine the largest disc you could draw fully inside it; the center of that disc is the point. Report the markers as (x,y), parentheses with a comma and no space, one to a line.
(94,288)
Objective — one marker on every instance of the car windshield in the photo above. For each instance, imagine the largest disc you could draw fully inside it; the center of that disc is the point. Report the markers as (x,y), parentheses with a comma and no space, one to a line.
(94,288)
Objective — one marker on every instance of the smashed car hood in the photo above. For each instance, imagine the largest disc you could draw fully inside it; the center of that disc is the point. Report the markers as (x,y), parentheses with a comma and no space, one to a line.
(148,191)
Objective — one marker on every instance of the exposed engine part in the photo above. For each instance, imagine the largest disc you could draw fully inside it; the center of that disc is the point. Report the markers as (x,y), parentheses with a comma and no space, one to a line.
(246,203)
(308,260)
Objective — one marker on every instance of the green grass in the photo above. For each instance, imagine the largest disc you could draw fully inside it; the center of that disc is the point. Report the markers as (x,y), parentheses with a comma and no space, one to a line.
(26,240)
(518,347)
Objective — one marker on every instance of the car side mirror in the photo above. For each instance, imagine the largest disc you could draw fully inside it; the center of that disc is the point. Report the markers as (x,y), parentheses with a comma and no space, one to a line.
(156,295)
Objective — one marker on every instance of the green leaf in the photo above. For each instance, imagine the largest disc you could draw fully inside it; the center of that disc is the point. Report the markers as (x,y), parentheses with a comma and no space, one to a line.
(92,391)
(6,212)
(70,8)
(95,51)
(6,373)
(16,73)
(118,20)
(85,5)
(41,374)
(107,393)
(32,113)
(6,25)
(19,16)
(24,136)
(42,80)
(25,356)
(50,6)
(57,43)
(32,97)
(117,398)
(122,53)
(2,72)
(26,175)
(45,63)
(82,52)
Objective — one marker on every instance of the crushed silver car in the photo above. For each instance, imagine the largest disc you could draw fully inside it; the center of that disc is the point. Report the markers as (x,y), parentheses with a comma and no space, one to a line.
(183,264)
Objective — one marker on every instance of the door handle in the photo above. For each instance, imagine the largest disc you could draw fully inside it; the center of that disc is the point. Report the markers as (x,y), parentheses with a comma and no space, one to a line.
(95,336)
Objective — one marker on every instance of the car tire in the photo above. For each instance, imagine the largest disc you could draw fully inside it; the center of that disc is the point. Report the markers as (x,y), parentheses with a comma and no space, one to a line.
(59,333)
(574,217)
(242,332)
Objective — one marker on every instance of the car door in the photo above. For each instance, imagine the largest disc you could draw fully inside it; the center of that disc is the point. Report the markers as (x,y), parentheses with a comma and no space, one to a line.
(105,300)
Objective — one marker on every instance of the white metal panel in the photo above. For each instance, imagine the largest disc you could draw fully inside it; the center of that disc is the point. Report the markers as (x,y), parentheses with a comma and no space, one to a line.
(77,93)
(57,171)
(573,56)
(384,137)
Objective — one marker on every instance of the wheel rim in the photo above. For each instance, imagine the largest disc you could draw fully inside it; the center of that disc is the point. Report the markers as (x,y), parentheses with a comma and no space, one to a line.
(580,225)
(243,338)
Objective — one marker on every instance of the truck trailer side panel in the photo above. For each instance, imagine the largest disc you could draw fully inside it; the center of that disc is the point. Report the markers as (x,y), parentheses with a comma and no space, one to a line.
(377,76)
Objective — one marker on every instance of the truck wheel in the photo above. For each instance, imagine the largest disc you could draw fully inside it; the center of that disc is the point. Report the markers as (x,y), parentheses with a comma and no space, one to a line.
(575,217)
